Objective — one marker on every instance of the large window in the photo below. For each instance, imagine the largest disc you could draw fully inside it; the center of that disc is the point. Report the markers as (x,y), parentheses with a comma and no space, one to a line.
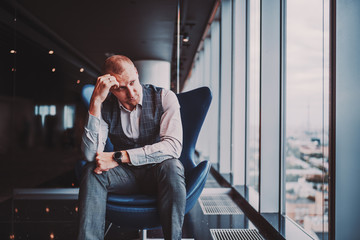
(44,110)
(253,98)
(206,72)
(306,113)
(279,106)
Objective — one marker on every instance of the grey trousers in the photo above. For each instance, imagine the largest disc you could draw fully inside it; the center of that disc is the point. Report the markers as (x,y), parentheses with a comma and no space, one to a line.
(165,179)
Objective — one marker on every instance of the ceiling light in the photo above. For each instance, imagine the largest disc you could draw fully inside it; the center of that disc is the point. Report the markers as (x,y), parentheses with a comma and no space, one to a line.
(78,81)
(12,51)
(52,236)
(108,54)
(186,38)
(51,52)
(81,69)
(53,70)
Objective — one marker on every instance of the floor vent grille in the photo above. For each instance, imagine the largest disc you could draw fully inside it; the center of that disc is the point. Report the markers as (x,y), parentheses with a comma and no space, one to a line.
(235,234)
(220,204)
(212,183)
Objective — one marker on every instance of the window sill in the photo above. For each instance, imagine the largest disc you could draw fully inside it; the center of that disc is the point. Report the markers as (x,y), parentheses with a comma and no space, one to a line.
(270,225)
(286,227)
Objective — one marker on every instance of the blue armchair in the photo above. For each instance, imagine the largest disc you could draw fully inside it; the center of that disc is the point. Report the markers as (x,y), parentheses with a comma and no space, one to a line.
(140,211)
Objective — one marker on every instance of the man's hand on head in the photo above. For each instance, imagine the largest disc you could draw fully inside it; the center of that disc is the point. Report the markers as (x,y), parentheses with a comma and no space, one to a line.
(103,85)
(104,162)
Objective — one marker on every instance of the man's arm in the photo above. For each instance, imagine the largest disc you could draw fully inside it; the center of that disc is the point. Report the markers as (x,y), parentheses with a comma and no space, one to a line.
(170,145)
(96,129)
(94,137)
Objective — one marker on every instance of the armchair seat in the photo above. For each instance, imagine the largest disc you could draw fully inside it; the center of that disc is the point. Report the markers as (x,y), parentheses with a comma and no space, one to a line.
(121,209)
(131,200)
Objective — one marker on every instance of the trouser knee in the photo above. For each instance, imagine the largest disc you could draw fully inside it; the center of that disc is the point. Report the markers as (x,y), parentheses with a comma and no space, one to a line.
(89,177)
(171,173)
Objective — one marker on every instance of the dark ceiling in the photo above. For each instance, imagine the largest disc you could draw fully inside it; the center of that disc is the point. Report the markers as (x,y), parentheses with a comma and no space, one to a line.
(86,32)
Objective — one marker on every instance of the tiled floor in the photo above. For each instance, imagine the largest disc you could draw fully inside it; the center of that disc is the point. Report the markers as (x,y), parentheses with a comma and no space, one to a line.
(43,217)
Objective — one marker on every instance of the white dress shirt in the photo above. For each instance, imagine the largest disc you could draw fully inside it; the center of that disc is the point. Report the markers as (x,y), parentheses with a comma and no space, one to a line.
(170,145)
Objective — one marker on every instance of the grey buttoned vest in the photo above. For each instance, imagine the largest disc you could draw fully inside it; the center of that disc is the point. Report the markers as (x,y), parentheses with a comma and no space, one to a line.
(149,126)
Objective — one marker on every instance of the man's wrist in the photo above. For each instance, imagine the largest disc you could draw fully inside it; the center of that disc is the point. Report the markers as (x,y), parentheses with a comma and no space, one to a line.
(125,157)
(121,157)
(95,108)
(117,157)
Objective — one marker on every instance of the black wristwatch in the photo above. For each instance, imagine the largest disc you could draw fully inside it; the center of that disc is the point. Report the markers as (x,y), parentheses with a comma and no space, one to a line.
(117,156)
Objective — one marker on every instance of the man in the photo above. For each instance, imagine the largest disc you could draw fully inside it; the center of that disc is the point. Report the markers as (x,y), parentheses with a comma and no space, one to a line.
(143,123)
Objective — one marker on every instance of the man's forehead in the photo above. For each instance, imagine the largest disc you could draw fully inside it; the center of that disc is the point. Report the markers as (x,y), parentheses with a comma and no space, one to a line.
(126,76)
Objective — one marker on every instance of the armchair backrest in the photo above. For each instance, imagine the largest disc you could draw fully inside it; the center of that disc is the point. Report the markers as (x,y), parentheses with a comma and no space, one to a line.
(86,94)
(194,107)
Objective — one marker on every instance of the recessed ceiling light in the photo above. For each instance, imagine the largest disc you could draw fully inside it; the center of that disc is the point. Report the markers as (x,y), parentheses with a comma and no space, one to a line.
(78,81)
(186,38)
(81,69)
(12,51)
(109,54)
(51,52)
(53,70)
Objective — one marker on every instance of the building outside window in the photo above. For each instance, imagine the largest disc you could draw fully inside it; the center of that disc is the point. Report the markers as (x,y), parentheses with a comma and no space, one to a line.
(253,100)
(306,114)
(69,116)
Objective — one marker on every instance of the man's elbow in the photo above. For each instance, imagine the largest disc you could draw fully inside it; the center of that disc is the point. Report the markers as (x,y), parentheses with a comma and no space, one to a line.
(87,154)
(89,157)
(173,147)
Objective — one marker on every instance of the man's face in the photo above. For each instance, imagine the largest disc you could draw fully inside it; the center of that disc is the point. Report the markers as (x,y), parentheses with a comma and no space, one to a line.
(130,89)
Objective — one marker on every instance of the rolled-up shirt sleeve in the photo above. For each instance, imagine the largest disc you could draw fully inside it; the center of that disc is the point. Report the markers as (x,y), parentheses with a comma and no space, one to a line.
(94,137)
(171,135)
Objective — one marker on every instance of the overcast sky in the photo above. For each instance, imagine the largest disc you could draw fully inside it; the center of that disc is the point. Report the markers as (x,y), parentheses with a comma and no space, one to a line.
(306,48)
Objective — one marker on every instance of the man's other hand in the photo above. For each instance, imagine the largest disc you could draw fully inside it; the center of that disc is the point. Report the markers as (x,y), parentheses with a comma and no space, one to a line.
(104,162)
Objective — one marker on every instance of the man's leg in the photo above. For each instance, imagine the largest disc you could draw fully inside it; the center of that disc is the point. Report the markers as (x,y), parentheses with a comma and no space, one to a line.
(93,194)
(171,193)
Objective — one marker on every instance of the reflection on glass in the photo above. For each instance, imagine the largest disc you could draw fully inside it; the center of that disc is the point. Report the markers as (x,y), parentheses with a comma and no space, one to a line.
(306,144)
(69,116)
(253,96)
(45,110)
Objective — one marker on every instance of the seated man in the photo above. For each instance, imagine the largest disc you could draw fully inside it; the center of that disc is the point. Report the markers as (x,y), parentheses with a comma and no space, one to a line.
(143,122)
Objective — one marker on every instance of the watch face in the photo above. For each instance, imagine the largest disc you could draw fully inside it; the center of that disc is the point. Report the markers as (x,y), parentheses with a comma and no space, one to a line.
(117,155)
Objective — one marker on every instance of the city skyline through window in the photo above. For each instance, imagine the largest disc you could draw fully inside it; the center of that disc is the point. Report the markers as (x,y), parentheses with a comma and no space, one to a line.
(306,114)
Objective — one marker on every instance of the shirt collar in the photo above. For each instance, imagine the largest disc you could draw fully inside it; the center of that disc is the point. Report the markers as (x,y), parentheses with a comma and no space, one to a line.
(140,102)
